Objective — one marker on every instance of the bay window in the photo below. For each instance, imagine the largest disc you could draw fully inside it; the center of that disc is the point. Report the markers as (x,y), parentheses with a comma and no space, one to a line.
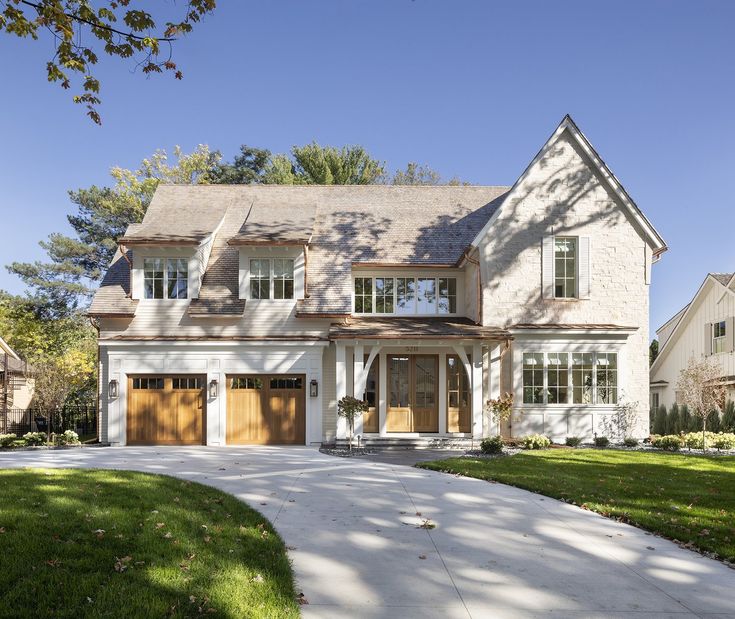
(570,378)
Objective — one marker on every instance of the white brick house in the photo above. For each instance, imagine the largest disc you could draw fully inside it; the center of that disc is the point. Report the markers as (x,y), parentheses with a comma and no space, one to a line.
(241,314)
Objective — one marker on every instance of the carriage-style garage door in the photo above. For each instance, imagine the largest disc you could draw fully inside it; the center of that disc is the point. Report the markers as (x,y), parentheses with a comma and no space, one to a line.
(165,410)
(266,409)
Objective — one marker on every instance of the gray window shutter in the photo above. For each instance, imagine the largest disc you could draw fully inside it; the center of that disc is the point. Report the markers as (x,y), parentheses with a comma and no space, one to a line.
(708,339)
(730,335)
(584,267)
(547,267)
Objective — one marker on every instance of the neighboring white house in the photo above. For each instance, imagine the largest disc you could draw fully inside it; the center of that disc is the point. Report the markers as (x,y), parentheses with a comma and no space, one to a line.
(242,314)
(16,387)
(703,328)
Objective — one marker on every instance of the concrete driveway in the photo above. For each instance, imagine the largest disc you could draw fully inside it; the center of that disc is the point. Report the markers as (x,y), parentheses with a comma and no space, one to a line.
(353,529)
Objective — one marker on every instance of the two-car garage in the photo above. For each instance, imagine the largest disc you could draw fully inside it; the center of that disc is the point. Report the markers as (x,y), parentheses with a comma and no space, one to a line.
(266,409)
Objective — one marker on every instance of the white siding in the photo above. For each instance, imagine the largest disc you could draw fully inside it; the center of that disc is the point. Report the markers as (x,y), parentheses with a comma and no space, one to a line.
(329,389)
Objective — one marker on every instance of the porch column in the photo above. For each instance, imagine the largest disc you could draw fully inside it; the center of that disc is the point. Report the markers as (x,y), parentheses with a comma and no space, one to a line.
(341,386)
(442,393)
(357,387)
(493,381)
(382,393)
(477,390)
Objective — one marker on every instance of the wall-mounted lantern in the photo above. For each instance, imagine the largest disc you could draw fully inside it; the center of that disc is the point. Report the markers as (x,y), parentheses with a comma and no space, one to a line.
(313,388)
(112,388)
(213,388)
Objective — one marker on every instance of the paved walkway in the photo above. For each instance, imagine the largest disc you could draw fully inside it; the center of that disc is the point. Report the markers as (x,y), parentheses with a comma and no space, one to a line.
(353,528)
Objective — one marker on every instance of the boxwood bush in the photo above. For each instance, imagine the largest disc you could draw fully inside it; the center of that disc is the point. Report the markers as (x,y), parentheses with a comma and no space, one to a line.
(33,439)
(669,442)
(536,441)
(6,440)
(492,445)
(573,441)
(602,441)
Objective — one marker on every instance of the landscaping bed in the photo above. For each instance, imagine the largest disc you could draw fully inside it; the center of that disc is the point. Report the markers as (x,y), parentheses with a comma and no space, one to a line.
(686,498)
(99,543)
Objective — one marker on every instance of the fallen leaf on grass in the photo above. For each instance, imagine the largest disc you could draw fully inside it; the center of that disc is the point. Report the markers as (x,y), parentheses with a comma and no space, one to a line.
(301,599)
(53,563)
(257,578)
(100,533)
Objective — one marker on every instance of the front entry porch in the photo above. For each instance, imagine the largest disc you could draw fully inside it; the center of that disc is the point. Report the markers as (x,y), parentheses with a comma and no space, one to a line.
(422,390)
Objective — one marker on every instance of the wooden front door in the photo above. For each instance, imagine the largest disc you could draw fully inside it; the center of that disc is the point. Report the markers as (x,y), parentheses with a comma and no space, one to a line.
(459,405)
(413,398)
(165,410)
(266,409)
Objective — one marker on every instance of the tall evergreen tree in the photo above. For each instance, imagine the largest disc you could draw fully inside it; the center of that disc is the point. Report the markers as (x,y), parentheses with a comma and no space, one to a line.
(672,420)
(728,417)
(659,422)
(713,421)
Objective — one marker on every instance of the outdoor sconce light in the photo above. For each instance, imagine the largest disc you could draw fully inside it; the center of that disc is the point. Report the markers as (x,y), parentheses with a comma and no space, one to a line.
(113,389)
(213,388)
(313,388)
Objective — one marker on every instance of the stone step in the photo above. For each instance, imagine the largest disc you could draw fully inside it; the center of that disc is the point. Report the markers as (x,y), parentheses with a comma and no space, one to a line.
(422,442)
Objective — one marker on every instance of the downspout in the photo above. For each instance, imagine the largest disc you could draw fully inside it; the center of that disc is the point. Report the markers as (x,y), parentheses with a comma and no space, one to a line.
(306,271)
(96,327)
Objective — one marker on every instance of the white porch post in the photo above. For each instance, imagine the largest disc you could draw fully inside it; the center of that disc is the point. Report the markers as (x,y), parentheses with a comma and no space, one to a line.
(442,393)
(477,390)
(382,393)
(493,379)
(341,386)
(357,387)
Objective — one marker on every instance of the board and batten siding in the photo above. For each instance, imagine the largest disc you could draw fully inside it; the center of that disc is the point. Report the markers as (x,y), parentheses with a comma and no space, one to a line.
(563,195)
(691,341)
(329,391)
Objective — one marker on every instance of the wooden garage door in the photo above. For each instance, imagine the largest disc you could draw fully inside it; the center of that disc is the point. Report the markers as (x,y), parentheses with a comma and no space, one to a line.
(266,409)
(166,410)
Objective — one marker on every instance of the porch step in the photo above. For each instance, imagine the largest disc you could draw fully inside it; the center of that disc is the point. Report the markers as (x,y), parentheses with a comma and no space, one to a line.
(424,442)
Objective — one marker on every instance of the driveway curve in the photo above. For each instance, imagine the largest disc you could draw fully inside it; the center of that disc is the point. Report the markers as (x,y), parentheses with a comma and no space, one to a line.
(381,539)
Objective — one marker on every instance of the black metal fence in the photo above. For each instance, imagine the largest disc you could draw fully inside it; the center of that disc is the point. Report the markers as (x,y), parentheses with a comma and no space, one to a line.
(81,418)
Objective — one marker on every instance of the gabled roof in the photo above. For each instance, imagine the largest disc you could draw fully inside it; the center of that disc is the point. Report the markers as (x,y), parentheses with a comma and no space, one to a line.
(718,279)
(568,125)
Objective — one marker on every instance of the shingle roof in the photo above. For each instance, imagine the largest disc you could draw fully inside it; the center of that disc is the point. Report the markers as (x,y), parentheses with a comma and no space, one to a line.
(413,328)
(557,326)
(112,297)
(723,278)
(426,225)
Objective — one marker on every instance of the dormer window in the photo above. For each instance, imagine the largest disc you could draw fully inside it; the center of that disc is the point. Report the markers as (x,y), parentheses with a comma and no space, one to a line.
(165,278)
(268,274)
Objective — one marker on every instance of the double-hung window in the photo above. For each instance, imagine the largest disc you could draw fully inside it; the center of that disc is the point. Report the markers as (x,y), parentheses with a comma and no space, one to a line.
(364,295)
(271,278)
(383,295)
(165,278)
(565,267)
(570,378)
(719,331)
(405,295)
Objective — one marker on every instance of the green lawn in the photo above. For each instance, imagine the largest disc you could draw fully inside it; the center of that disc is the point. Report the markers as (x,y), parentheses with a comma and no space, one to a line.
(686,498)
(93,543)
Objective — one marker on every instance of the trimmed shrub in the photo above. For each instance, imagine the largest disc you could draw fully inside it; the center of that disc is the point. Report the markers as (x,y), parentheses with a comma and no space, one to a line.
(536,441)
(602,441)
(573,441)
(33,439)
(669,442)
(6,440)
(69,437)
(492,445)
(659,422)
(723,441)
(728,417)
(630,442)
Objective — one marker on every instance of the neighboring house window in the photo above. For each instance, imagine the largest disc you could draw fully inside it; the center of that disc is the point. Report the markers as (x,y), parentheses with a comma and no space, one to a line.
(165,278)
(364,295)
(654,401)
(533,378)
(447,295)
(260,278)
(282,278)
(565,267)
(570,378)
(384,295)
(406,295)
(719,331)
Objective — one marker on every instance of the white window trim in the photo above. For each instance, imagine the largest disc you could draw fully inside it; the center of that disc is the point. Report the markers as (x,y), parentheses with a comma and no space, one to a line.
(570,393)
(722,339)
(415,276)
(165,296)
(576,266)
(271,292)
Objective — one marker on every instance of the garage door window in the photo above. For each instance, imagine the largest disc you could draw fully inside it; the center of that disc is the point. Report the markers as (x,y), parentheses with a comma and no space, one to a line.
(286,383)
(246,382)
(187,383)
(148,383)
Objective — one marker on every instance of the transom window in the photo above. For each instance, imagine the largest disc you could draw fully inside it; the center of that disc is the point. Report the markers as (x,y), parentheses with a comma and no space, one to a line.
(570,378)
(246,382)
(186,382)
(719,331)
(405,295)
(286,382)
(165,278)
(565,267)
(148,383)
(276,275)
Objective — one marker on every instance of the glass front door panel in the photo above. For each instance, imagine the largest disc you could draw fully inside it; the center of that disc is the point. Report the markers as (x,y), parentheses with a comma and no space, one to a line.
(413,404)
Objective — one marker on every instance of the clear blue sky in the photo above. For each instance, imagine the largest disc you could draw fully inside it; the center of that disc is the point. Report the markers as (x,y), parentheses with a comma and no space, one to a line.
(472,88)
